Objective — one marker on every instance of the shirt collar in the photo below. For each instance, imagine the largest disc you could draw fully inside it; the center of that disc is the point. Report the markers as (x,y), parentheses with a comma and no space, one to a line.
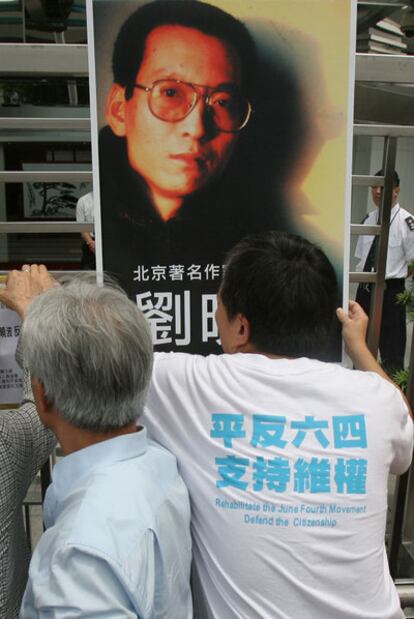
(80,463)
(394,208)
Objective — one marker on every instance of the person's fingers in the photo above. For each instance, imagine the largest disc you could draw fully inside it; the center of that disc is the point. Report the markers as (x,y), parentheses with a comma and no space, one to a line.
(354,308)
(34,268)
(341,314)
(12,275)
(358,311)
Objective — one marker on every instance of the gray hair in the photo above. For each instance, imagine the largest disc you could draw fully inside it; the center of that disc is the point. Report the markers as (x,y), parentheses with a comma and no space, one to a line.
(91,348)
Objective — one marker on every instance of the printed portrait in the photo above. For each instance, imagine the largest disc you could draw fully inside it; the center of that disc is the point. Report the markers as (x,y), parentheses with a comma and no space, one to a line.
(212,121)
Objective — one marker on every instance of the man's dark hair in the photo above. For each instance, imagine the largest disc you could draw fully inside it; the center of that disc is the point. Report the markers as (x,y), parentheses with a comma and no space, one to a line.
(396,178)
(287,289)
(129,48)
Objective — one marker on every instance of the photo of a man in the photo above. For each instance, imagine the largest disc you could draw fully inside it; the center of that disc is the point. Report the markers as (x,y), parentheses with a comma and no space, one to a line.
(179,105)
(195,151)
(180,131)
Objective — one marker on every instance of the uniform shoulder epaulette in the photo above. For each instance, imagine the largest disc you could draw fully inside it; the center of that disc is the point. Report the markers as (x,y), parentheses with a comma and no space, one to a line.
(366,217)
(410,222)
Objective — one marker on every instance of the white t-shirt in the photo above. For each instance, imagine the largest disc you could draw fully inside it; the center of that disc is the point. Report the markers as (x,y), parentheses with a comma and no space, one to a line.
(85,210)
(400,242)
(286,462)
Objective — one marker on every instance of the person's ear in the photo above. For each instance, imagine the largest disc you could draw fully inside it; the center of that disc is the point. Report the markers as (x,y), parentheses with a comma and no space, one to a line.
(44,406)
(115,110)
(396,191)
(241,332)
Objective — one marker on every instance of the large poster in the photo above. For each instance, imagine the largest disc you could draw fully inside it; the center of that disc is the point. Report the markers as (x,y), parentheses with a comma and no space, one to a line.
(211,121)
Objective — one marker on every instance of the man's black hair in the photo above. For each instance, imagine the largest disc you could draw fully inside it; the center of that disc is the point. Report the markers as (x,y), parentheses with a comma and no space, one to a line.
(287,289)
(396,178)
(129,48)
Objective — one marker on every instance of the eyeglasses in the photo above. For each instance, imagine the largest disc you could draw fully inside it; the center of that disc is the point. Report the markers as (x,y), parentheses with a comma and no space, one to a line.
(172,100)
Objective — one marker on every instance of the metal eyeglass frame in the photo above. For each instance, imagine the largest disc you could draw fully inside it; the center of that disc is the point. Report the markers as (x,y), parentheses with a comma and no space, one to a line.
(197,97)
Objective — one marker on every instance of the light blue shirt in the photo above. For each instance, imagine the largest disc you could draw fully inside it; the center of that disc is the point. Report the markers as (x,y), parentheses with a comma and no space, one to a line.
(118,542)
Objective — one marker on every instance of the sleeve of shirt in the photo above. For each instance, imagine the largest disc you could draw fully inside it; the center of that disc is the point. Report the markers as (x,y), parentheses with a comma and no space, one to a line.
(408,243)
(358,248)
(166,405)
(75,583)
(158,403)
(402,437)
(25,444)
(362,238)
(90,215)
(80,211)
(28,424)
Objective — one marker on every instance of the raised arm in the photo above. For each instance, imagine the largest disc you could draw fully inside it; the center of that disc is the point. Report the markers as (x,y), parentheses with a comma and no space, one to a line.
(354,331)
(22,286)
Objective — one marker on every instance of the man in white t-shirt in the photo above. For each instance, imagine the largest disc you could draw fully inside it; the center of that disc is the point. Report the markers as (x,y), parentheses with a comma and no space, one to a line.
(286,457)
(85,214)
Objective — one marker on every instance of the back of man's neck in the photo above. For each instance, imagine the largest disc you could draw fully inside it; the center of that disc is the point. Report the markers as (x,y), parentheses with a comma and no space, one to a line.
(251,349)
(73,439)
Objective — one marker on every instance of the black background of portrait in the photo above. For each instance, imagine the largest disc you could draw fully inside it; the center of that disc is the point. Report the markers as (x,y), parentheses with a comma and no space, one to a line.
(250,196)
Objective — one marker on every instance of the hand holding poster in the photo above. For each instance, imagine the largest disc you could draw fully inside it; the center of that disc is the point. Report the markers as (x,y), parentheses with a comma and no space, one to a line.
(218,119)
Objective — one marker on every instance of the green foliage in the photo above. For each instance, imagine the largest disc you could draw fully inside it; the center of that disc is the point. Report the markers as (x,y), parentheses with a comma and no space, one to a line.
(401,378)
(405,298)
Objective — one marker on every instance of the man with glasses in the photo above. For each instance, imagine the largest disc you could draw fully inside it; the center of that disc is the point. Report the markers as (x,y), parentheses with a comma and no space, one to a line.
(180,134)
(175,168)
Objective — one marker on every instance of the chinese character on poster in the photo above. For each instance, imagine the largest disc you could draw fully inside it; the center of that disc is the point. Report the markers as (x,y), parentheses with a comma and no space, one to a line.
(11,377)
(211,121)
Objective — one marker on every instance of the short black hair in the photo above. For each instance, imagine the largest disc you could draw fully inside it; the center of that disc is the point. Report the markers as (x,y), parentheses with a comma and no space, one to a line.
(129,48)
(396,178)
(287,289)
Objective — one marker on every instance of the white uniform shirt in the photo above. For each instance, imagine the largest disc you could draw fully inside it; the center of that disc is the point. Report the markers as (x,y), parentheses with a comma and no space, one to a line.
(400,243)
(286,462)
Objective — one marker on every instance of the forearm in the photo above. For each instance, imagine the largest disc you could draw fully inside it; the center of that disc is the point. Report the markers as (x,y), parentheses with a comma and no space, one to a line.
(354,328)
(87,237)
(363,359)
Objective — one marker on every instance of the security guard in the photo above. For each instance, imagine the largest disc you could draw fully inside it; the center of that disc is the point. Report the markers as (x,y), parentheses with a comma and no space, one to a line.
(400,253)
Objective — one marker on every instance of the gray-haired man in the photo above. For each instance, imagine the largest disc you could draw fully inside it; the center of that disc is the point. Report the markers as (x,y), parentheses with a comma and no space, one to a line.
(117,514)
